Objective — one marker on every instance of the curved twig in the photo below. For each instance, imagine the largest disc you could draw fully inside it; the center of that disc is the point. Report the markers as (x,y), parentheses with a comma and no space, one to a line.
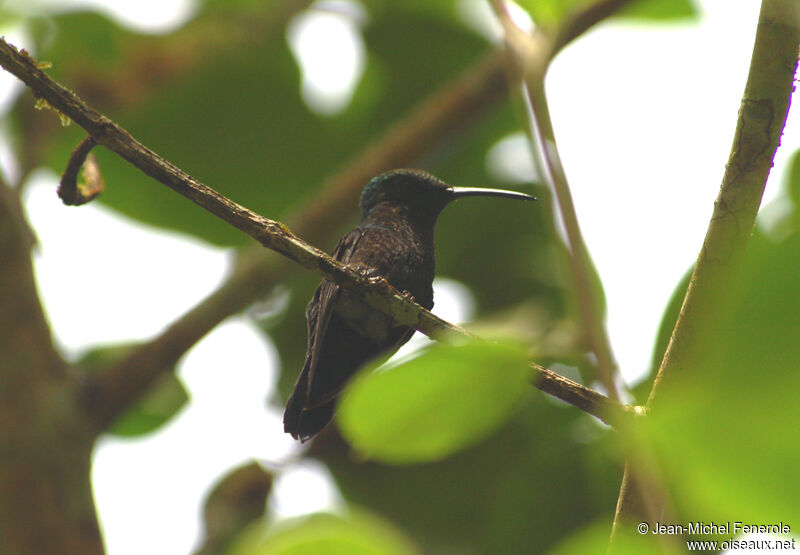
(69,191)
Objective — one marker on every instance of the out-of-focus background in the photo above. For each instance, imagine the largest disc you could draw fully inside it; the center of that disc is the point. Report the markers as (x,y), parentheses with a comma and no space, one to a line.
(265,100)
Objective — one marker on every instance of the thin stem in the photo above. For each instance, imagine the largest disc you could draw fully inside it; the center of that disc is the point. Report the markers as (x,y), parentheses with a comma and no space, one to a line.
(588,301)
(531,55)
(588,400)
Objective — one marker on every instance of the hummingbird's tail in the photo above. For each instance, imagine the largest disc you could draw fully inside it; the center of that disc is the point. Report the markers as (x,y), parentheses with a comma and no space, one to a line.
(302,423)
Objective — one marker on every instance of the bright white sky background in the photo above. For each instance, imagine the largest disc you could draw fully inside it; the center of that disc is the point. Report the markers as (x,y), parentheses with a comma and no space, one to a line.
(644,117)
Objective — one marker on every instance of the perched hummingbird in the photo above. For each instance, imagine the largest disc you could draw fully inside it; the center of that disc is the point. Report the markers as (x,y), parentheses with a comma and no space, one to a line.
(395,241)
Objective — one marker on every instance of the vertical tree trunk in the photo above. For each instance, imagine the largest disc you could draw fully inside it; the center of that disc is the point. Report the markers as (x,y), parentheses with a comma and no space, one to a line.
(46,501)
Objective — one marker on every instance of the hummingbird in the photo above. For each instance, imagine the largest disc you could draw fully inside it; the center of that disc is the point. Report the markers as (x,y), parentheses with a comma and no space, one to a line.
(394,240)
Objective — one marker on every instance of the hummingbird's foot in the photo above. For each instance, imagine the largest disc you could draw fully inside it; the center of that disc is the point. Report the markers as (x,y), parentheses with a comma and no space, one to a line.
(408,296)
(371,275)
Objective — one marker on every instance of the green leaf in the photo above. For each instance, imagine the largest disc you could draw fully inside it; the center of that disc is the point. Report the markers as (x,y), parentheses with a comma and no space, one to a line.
(441,9)
(550,470)
(358,533)
(594,540)
(229,112)
(155,408)
(728,432)
(164,400)
(550,13)
(793,181)
(436,404)
(659,10)
(235,502)
(8,18)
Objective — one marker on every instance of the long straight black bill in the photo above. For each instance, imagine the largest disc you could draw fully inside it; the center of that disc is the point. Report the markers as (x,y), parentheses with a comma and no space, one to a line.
(459,192)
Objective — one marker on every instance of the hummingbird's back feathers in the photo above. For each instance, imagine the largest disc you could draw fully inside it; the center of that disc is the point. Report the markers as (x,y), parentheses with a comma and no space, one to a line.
(395,241)
(344,333)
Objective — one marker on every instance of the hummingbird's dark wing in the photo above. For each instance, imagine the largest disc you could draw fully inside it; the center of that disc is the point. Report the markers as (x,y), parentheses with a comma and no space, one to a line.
(336,347)
(304,423)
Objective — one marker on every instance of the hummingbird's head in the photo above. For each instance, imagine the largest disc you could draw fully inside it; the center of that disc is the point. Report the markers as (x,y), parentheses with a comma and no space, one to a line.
(420,192)
(415,189)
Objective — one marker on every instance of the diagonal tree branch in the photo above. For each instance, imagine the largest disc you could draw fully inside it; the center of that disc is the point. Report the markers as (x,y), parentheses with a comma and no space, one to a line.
(258,271)
(271,234)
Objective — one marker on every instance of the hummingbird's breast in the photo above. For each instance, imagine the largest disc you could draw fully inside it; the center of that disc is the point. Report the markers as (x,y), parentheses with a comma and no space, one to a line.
(402,255)
(404,259)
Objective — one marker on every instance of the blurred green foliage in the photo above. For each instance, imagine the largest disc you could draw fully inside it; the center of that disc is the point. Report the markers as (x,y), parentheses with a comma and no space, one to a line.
(237,500)
(435,404)
(546,472)
(593,540)
(549,13)
(220,98)
(357,533)
(728,432)
(165,398)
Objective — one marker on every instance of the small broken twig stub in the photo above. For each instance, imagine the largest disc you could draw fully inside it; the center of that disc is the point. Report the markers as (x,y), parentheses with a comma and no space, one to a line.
(70,191)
